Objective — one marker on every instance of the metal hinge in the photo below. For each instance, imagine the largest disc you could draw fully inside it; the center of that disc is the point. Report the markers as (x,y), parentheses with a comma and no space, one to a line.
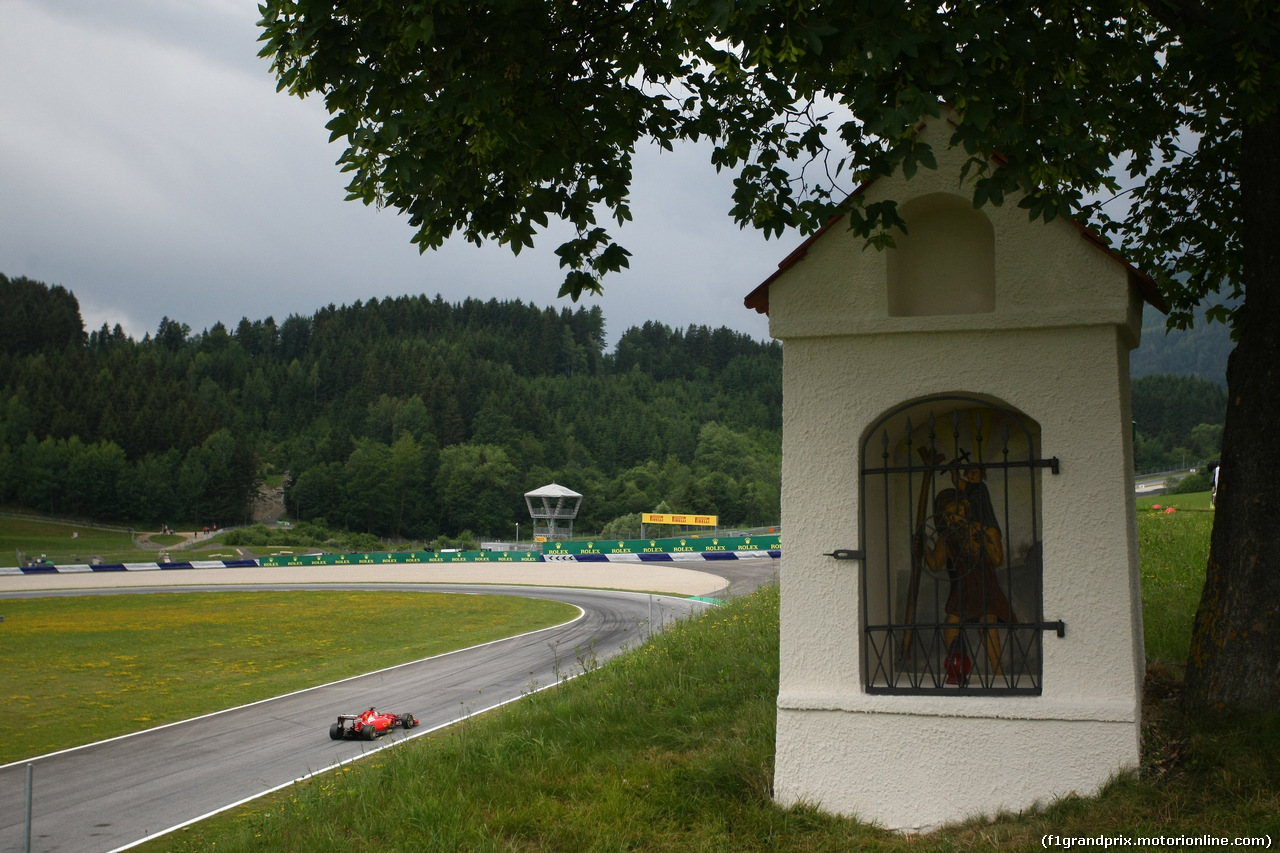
(846,554)
(1050,463)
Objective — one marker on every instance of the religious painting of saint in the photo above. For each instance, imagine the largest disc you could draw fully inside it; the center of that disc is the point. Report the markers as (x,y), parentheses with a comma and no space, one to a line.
(968,545)
(952,575)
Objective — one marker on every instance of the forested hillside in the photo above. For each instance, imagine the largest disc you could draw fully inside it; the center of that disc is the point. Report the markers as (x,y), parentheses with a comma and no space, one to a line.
(1179,421)
(418,418)
(1200,351)
(404,417)
(1179,392)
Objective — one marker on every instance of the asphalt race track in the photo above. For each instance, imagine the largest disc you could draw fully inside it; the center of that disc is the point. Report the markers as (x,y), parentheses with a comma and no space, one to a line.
(113,794)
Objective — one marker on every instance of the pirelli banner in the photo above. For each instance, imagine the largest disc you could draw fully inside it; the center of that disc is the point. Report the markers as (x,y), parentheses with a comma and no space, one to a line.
(679,518)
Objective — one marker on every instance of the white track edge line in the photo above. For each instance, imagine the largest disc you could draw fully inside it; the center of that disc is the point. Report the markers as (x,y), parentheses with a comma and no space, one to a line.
(581,613)
(343,763)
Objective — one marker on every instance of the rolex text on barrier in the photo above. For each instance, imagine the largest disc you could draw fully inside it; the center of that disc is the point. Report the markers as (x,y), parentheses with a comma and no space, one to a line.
(588,550)
(582,551)
(675,546)
(423,557)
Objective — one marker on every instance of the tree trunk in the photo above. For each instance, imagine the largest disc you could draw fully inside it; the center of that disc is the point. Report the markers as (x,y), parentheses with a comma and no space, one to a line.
(1235,644)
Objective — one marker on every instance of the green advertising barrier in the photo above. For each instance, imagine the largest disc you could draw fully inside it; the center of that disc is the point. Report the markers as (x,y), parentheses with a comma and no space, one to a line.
(589,548)
(483,557)
(680,545)
(426,557)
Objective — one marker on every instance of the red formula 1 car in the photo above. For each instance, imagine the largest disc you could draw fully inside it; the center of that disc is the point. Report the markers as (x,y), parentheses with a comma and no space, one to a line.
(369,725)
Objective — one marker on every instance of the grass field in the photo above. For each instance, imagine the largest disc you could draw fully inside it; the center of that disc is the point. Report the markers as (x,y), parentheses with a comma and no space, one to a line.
(1174,549)
(1194,502)
(121,663)
(670,748)
(67,543)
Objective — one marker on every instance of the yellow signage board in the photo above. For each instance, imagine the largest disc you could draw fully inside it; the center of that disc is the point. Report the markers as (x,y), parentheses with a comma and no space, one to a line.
(670,518)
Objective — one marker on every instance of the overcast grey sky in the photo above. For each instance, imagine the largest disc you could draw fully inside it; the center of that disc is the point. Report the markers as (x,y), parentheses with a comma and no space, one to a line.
(148,165)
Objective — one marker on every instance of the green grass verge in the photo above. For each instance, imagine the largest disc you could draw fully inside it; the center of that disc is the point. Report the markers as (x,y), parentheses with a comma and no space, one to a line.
(670,748)
(65,543)
(120,663)
(1174,549)
(1195,501)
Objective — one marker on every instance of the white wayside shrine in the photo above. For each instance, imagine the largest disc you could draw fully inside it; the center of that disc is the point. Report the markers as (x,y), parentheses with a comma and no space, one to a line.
(961,619)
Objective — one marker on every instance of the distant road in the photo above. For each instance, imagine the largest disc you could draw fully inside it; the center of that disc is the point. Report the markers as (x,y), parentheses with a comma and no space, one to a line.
(1152,484)
(114,794)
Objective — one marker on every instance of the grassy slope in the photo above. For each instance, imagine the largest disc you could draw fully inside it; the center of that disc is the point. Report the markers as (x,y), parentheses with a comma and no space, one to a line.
(67,543)
(1174,548)
(670,748)
(61,542)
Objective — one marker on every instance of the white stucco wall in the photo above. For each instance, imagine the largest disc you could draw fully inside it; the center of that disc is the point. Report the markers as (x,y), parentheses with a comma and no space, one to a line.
(1055,347)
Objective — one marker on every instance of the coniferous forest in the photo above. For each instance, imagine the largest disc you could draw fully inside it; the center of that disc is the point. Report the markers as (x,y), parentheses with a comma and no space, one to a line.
(418,419)
(404,418)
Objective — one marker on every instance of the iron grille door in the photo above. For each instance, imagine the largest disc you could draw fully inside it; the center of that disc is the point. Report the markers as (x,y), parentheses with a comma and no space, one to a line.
(951,579)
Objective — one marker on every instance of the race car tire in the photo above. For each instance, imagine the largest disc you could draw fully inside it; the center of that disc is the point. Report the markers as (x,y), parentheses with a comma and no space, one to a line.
(408,721)
(335,731)
(370,731)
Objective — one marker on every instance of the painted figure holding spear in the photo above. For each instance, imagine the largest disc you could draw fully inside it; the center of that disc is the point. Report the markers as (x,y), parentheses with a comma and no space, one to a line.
(969,546)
